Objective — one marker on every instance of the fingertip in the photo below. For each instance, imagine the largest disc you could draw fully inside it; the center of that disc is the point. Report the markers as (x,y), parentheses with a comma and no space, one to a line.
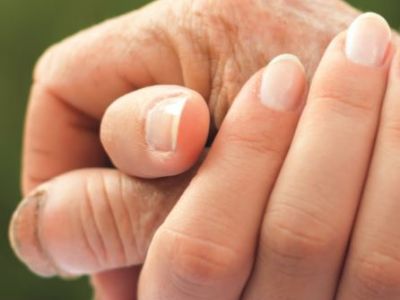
(367,44)
(24,236)
(368,40)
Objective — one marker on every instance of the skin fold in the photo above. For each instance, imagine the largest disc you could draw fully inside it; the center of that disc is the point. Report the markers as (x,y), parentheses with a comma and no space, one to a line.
(211,47)
(210,50)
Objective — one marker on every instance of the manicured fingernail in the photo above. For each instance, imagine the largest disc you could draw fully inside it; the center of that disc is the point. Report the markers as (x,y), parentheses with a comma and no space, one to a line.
(283,83)
(162,123)
(368,40)
(24,235)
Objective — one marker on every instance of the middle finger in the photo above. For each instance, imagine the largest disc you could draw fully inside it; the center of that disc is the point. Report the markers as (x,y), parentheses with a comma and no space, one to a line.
(311,210)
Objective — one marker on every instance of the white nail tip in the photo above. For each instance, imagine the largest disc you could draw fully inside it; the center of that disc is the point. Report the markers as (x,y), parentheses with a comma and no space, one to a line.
(162,124)
(368,38)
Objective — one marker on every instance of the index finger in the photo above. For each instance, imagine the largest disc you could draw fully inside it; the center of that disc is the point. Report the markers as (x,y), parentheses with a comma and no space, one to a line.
(205,247)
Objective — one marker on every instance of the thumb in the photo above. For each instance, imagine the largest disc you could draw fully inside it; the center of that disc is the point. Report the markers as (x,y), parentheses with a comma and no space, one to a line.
(92,220)
(156,131)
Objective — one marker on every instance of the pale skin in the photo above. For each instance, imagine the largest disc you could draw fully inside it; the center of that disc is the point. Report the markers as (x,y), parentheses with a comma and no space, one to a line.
(217,235)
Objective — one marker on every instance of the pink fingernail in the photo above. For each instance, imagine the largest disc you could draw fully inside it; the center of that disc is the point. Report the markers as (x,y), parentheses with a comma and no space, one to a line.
(162,123)
(283,83)
(368,40)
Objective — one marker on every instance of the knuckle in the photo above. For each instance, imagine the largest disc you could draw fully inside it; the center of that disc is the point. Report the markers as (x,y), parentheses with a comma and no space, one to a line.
(196,263)
(290,241)
(227,79)
(220,97)
(255,141)
(99,221)
(345,105)
(377,274)
(227,70)
(295,238)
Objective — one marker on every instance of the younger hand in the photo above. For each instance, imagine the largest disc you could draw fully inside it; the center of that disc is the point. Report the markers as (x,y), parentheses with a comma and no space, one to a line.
(344,152)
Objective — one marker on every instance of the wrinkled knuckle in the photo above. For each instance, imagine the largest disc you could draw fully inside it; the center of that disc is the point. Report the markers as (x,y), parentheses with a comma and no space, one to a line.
(354,107)
(227,68)
(377,274)
(195,263)
(255,141)
(230,64)
(295,244)
(99,222)
(227,78)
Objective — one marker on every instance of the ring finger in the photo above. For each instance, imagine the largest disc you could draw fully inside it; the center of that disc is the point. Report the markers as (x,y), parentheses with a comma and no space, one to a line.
(311,210)
(373,263)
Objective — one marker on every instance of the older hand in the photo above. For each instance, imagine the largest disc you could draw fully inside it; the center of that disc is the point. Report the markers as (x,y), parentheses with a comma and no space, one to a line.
(209,46)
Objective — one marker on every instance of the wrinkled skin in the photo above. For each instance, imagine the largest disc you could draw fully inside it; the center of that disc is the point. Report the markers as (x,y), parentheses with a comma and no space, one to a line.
(212,47)
(236,49)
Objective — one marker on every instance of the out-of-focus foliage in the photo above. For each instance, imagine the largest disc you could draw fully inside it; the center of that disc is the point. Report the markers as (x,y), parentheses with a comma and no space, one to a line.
(26,29)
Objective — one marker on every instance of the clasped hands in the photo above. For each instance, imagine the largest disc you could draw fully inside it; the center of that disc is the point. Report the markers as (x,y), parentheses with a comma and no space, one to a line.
(295,199)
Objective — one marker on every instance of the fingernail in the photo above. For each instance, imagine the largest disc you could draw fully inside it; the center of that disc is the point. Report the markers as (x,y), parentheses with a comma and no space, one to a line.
(162,123)
(24,235)
(368,40)
(283,83)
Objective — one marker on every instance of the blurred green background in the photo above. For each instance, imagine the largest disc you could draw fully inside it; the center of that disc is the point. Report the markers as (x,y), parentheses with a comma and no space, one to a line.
(26,29)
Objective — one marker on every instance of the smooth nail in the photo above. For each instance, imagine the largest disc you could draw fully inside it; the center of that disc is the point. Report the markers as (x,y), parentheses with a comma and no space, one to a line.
(162,123)
(283,83)
(368,40)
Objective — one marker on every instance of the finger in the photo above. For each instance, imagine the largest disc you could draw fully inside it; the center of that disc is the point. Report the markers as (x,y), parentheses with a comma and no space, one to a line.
(153,132)
(120,284)
(92,220)
(126,53)
(205,247)
(310,215)
(372,267)
(167,42)
(157,131)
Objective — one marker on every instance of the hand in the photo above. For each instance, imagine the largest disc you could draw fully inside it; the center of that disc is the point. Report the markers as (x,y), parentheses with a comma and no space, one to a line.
(345,152)
(149,47)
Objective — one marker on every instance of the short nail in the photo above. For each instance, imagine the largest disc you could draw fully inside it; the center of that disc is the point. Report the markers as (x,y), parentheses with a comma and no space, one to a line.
(162,123)
(283,83)
(24,235)
(368,40)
